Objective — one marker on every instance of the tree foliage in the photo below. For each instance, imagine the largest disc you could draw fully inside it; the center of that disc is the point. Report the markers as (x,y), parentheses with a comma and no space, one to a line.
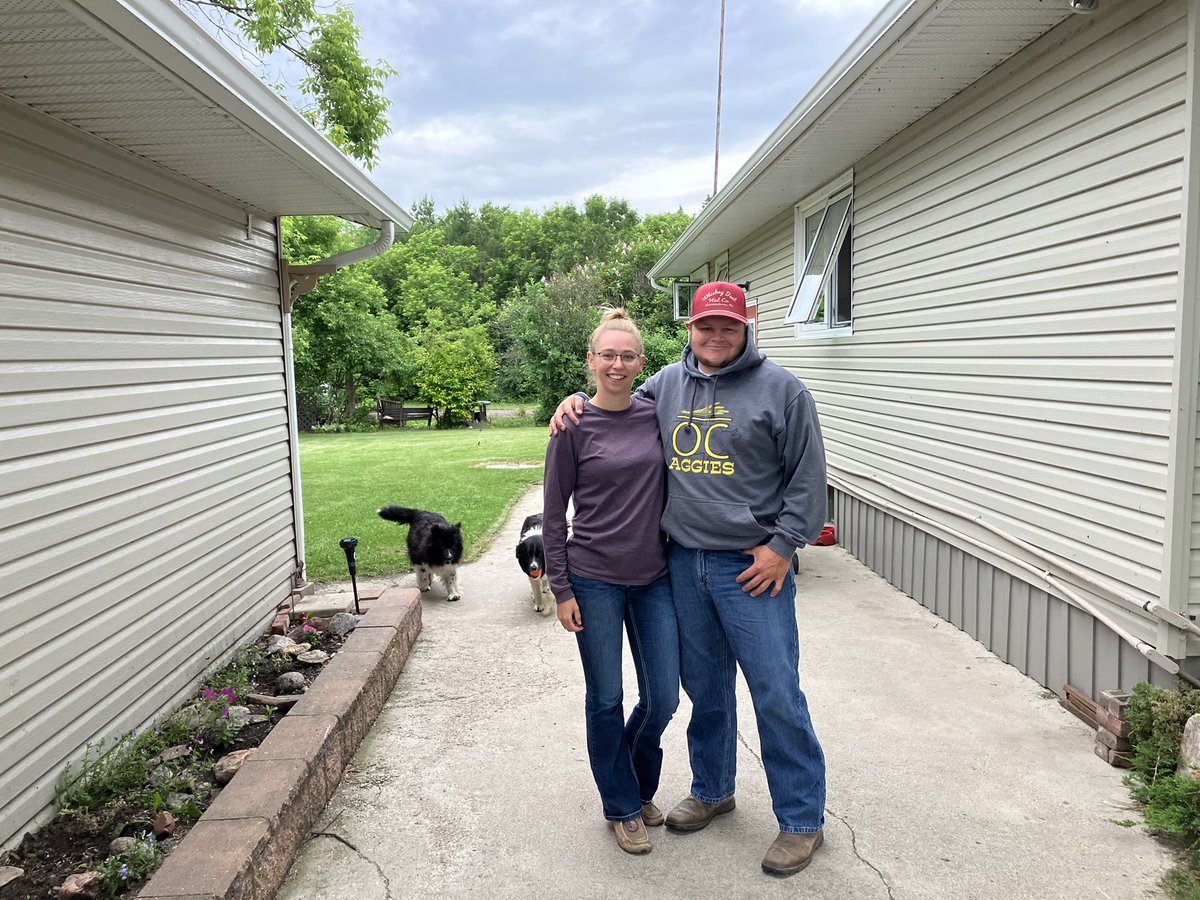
(350,105)
(457,373)
(548,326)
(474,302)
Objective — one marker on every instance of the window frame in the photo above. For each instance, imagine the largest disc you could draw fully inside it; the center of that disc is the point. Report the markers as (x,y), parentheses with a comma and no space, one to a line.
(835,274)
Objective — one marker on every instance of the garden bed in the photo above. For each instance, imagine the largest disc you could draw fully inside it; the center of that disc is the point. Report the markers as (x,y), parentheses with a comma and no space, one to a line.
(123,788)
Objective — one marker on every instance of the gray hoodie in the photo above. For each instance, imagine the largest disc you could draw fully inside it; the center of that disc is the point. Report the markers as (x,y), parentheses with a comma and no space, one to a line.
(745,459)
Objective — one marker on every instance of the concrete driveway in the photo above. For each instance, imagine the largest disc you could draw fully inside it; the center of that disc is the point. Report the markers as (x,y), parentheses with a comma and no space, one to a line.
(951,775)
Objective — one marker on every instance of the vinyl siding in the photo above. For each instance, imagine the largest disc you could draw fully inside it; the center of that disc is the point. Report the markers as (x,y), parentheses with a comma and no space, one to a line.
(145,494)
(1015,269)
(1046,638)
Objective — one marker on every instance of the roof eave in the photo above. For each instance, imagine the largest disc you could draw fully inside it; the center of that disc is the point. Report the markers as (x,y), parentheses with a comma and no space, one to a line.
(167,38)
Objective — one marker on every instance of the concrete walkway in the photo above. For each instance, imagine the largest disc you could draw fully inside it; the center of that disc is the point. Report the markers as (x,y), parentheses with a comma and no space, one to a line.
(951,775)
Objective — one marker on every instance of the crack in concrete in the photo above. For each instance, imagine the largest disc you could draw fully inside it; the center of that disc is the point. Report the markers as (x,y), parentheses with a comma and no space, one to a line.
(750,750)
(833,815)
(854,846)
(387,885)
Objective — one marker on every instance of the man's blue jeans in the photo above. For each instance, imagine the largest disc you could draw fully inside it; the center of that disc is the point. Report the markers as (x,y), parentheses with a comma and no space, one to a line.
(626,756)
(720,625)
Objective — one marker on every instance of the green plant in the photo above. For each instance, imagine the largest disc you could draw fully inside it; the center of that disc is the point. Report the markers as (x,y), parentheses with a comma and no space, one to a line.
(239,672)
(102,775)
(131,866)
(1156,720)
(1171,802)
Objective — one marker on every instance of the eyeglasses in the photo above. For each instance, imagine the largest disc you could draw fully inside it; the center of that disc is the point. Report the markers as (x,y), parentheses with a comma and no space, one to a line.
(628,358)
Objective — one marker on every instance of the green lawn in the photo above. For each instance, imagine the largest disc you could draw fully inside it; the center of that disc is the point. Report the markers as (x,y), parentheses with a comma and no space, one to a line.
(347,477)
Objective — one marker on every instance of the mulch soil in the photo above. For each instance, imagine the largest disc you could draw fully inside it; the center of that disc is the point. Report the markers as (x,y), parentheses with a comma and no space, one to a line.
(70,844)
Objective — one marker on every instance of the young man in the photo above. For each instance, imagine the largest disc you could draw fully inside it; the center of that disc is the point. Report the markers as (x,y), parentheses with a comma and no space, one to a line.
(746,489)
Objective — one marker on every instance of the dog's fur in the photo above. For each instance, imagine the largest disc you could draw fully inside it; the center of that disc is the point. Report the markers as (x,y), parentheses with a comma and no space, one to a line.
(434,546)
(531,554)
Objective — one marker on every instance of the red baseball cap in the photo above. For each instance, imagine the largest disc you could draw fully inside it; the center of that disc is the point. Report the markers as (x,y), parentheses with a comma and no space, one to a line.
(719,298)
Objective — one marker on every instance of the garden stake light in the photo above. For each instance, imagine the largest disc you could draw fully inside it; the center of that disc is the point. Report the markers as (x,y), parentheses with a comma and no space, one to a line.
(348,544)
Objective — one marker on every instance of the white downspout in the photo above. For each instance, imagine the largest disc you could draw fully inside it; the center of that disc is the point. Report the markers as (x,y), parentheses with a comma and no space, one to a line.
(303,278)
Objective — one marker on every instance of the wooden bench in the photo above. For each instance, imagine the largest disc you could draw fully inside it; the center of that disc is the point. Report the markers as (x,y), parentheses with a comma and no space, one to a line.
(394,412)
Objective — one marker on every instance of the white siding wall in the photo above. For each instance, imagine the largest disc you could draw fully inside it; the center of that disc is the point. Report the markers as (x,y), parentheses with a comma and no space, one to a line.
(145,499)
(1015,260)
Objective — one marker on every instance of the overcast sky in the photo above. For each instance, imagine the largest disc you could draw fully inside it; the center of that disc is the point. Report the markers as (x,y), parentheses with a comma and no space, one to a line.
(529,103)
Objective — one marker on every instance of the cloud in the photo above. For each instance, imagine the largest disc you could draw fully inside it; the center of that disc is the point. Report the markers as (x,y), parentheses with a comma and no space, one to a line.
(836,9)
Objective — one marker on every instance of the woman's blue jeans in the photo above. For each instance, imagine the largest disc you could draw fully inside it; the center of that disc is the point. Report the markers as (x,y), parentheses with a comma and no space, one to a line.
(720,626)
(626,756)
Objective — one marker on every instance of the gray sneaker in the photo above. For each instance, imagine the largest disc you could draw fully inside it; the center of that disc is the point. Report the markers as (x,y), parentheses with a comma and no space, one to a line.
(692,814)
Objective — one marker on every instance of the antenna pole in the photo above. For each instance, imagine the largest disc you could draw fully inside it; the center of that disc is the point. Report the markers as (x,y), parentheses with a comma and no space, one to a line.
(720,68)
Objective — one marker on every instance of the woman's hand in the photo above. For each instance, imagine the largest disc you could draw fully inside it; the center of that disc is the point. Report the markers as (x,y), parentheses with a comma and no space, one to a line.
(569,615)
(571,408)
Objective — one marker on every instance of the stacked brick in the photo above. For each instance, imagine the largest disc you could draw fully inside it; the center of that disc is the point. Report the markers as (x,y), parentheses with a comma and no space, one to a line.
(1112,729)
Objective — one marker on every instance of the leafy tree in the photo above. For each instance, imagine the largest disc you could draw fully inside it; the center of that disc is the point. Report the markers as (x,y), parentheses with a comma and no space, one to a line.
(346,339)
(457,373)
(548,326)
(428,284)
(350,105)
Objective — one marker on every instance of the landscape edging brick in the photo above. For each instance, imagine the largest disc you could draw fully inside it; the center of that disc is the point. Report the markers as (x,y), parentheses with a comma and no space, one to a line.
(244,849)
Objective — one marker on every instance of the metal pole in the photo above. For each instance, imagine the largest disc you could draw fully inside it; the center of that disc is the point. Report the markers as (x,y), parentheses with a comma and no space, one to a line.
(720,69)
(348,544)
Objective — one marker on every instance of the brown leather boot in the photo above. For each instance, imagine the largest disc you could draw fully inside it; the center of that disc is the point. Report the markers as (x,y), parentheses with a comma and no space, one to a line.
(692,814)
(791,852)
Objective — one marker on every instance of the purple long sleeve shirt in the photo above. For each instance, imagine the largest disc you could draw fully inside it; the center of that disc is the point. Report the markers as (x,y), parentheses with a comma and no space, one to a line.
(611,463)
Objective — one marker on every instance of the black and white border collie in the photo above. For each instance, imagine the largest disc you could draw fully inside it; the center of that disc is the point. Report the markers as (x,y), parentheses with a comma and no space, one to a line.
(435,547)
(532,557)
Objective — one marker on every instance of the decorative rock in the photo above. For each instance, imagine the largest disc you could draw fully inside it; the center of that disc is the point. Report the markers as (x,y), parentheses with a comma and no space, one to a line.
(313,658)
(9,873)
(282,700)
(1189,749)
(239,716)
(295,649)
(278,643)
(321,623)
(121,845)
(296,632)
(176,752)
(83,885)
(227,766)
(342,624)
(290,683)
(176,799)
(164,825)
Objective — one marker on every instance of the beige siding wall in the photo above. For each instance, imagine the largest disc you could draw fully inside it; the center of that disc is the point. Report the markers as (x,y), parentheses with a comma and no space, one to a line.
(1015,260)
(145,495)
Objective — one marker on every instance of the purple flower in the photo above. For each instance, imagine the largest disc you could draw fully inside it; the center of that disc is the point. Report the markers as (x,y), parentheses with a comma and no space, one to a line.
(308,629)
(123,872)
(229,693)
(209,694)
(132,732)
(225,712)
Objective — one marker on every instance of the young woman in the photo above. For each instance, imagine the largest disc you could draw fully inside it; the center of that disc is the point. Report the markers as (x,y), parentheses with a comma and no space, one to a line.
(613,572)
